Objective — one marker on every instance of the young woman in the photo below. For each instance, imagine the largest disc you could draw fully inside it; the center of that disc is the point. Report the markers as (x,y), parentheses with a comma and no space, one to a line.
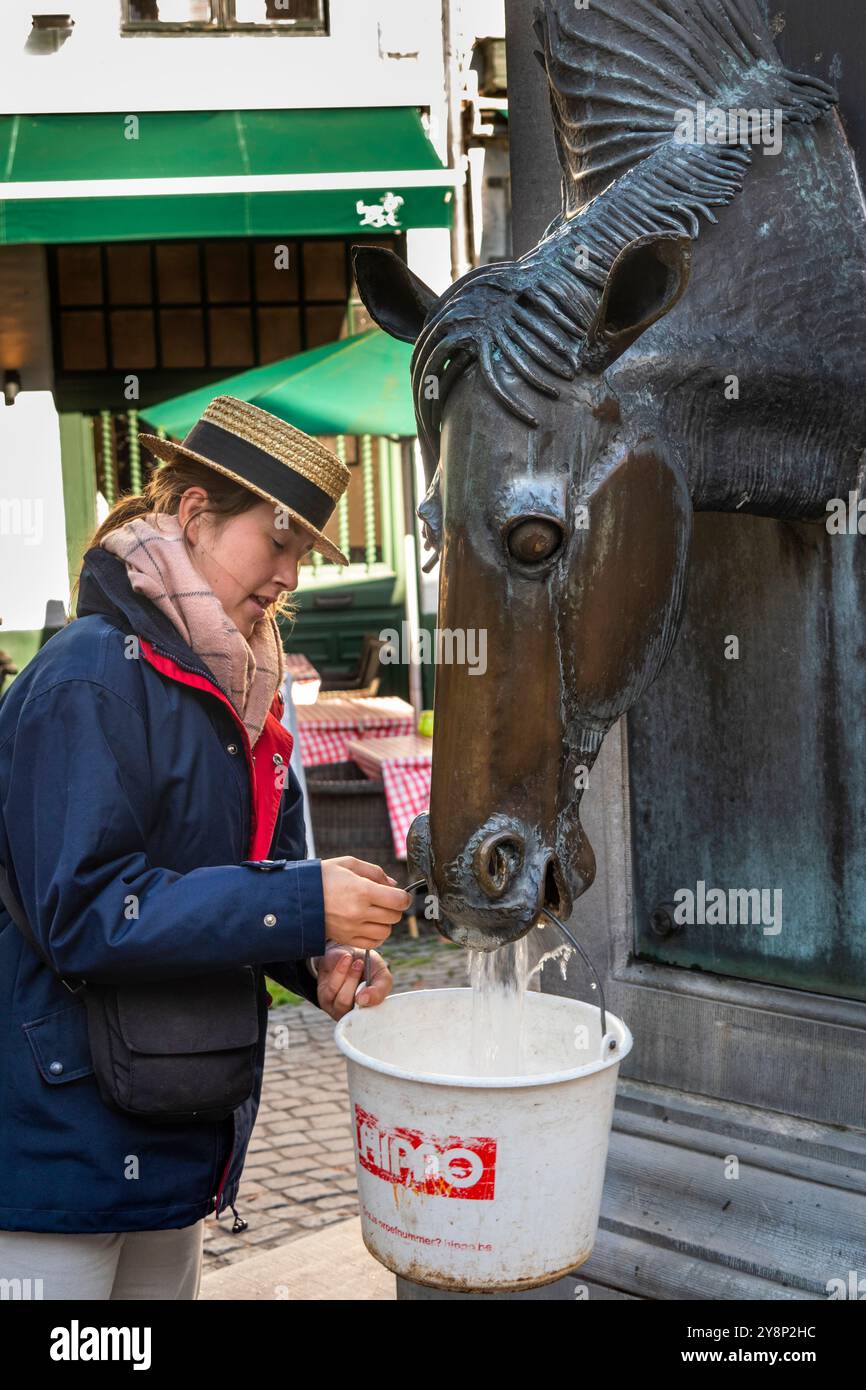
(150,827)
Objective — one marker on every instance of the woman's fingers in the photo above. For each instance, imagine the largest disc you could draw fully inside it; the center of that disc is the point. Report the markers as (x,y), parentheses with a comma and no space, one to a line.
(379,988)
(353,976)
(380,916)
(337,990)
(342,981)
(390,899)
(360,908)
(367,939)
(365,869)
(370,935)
(332,974)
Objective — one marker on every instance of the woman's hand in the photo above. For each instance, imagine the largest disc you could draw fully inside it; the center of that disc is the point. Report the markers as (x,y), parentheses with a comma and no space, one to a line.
(362,902)
(340,970)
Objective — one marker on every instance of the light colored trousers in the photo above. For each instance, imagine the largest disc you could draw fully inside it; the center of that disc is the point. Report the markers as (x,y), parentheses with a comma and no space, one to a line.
(158,1265)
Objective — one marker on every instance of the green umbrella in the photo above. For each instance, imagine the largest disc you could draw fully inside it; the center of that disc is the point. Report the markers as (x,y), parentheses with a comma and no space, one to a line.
(358,385)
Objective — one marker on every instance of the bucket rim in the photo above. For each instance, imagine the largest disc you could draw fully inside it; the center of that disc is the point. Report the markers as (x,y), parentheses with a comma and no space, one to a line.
(476,1083)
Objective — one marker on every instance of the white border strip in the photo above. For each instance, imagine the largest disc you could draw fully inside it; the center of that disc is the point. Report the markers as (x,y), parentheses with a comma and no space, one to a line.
(35,190)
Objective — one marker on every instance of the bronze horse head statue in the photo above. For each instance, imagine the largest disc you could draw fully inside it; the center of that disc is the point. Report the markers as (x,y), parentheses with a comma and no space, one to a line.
(571,415)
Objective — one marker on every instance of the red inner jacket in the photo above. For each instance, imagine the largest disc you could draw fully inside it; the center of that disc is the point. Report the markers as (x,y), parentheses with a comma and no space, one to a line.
(268,766)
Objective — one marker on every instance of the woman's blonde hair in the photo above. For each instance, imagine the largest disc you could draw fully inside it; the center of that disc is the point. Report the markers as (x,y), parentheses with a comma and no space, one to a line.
(162,493)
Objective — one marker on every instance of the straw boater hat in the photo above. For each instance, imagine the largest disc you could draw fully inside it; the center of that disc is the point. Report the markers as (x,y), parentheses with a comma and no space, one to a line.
(270,457)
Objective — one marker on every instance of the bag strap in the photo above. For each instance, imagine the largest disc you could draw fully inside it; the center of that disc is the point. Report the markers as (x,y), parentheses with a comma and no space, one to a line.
(16,912)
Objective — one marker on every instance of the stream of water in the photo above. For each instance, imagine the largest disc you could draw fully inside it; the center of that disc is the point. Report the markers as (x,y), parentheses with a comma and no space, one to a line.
(499,981)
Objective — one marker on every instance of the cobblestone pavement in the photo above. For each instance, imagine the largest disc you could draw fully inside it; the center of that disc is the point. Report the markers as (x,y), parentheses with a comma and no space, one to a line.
(300,1167)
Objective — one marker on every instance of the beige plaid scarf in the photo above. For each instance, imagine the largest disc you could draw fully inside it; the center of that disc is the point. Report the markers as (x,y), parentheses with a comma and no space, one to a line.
(159,567)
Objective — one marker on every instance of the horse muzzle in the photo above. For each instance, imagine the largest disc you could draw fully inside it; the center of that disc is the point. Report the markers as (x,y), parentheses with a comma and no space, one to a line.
(491,892)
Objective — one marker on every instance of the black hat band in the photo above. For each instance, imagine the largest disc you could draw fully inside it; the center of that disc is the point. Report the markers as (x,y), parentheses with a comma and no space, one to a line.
(262,470)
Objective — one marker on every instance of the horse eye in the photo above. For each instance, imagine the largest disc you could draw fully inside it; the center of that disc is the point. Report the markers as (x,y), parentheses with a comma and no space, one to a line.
(534,540)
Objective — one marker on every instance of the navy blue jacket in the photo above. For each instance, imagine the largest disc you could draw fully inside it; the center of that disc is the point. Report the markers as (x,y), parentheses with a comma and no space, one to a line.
(132,812)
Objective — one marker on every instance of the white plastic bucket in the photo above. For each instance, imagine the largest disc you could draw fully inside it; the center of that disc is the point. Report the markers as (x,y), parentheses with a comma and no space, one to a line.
(479,1182)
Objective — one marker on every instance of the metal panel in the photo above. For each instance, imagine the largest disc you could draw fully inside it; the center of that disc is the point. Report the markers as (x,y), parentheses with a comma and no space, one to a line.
(791,1051)
(745,772)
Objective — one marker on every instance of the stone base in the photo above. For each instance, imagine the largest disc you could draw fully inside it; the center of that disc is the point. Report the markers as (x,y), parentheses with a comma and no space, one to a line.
(330,1265)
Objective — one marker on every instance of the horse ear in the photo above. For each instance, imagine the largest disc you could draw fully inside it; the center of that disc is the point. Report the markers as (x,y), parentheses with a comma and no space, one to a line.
(395,298)
(644,283)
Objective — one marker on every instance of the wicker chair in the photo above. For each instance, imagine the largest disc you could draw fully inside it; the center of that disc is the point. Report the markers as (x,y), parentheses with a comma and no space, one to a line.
(350,816)
(365,692)
(364,680)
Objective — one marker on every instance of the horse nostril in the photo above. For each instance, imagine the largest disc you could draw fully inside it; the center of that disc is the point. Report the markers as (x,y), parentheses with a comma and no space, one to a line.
(554,896)
(497,859)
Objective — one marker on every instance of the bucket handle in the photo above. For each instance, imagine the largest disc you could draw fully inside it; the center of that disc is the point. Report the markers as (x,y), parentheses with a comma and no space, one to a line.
(608,1041)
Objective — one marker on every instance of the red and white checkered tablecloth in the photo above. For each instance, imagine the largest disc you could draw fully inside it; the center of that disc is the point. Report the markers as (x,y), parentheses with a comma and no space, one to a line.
(330,745)
(306,681)
(300,667)
(405,764)
(407,793)
(326,728)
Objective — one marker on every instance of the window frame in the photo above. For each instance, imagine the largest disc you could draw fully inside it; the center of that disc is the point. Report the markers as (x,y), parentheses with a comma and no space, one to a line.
(92,387)
(223,22)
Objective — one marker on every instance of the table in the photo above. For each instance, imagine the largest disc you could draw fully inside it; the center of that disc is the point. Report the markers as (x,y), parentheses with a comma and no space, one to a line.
(326,727)
(405,763)
(306,681)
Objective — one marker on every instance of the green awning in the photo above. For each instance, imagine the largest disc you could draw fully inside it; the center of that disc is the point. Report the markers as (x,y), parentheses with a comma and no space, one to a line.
(358,385)
(102,177)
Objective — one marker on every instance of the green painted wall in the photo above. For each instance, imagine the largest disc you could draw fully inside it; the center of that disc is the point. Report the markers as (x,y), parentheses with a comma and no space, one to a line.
(331,636)
(79,487)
